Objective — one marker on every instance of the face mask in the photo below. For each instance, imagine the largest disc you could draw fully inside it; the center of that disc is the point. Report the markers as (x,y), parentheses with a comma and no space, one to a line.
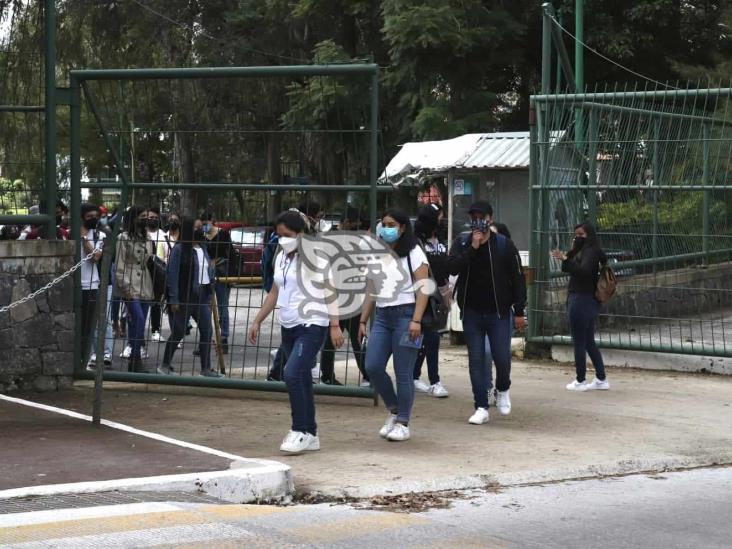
(198,235)
(174,225)
(153,224)
(104,222)
(479,225)
(579,241)
(207,227)
(389,234)
(288,244)
(91,224)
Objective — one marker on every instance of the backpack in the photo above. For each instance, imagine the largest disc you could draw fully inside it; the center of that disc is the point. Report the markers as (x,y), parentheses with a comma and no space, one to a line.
(435,314)
(606,284)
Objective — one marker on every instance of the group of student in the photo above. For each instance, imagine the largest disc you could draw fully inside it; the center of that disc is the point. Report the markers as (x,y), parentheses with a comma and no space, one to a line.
(482,271)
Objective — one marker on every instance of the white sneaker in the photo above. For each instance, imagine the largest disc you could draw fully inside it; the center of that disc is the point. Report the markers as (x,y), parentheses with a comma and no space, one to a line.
(107,359)
(438,390)
(365,384)
(577,386)
(399,433)
(143,352)
(388,426)
(126,352)
(315,373)
(480,417)
(156,336)
(180,345)
(296,442)
(597,385)
(92,360)
(421,386)
(503,402)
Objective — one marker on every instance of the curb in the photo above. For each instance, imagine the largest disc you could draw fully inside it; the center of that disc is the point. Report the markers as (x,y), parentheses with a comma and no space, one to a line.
(506,480)
(246,480)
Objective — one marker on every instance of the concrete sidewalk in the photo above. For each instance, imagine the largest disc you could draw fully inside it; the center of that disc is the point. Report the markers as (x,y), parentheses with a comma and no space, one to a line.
(649,421)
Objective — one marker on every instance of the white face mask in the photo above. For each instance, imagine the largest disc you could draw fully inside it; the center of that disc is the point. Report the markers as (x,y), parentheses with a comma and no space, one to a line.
(288,244)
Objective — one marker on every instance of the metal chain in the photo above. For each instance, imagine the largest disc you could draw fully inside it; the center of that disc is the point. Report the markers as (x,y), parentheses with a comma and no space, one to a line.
(48,286)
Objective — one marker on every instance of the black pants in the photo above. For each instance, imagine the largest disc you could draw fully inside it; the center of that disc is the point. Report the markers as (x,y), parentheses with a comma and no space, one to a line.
(88,306)
(155,317)
(327,356)
(198,307)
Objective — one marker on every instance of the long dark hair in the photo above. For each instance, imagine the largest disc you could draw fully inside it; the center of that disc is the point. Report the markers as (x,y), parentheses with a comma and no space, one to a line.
(407,241)
(186,240)
(591,242)
(427,222)
(130,223)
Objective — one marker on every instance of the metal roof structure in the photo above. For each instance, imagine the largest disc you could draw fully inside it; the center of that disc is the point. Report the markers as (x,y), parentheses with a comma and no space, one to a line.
(506,150)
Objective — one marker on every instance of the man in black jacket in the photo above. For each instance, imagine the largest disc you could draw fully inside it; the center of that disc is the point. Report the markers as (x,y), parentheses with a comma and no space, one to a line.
(490,292)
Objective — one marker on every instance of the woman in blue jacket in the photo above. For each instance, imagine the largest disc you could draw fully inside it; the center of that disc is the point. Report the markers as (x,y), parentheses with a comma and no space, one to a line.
(189,285)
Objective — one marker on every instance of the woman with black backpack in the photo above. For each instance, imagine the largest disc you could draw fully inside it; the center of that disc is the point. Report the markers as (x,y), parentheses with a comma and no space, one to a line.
(425,229)
(583,263)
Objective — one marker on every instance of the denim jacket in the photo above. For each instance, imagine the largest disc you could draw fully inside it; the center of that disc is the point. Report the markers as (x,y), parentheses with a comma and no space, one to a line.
(173,271)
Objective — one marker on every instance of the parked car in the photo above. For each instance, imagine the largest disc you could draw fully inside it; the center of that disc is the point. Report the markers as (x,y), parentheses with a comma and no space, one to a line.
(228,225)
(248,245)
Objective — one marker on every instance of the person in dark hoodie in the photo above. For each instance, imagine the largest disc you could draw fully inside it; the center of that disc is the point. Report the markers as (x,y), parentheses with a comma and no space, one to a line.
(490,291)
(583,263)
(190,279)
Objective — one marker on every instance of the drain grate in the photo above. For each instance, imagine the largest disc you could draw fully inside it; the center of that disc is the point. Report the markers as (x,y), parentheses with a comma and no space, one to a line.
(96,499)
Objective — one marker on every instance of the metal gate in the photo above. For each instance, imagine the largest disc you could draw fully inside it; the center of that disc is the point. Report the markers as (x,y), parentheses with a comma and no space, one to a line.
(653,171)
(244,175)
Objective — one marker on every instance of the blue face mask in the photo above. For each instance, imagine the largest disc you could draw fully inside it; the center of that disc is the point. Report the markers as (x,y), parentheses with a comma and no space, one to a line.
(389,234)
(206,227)
(479,225)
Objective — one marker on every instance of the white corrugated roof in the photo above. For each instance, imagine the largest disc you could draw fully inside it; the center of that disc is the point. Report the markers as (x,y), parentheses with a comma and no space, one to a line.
(474,150)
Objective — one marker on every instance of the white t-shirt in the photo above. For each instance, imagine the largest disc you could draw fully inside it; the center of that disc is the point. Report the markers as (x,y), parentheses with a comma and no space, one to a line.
(203,276)
(405,291)
(89,270)
(295,307)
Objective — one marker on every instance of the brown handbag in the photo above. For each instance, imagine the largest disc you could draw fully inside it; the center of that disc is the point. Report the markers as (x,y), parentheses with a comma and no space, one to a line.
(606,284)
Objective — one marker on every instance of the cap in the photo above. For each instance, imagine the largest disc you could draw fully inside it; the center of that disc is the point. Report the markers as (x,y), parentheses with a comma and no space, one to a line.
(482,207)
(103,210)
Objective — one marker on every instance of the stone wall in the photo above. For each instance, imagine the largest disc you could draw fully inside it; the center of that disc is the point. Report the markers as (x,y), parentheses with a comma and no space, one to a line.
(36,338)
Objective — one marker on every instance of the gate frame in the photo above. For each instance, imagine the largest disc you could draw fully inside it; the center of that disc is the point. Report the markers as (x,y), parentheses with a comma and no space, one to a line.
(78,81)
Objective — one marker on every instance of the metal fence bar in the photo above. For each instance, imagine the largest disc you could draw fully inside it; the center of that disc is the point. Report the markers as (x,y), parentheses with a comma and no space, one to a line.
(671,348)
(22,108)
(223,186)
(571,98)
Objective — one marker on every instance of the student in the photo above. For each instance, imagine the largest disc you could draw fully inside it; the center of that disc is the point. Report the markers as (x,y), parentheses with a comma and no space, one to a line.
(302,338)
(132,280)
(220,249)
(490,287)
(426,228)
(583,263)
(397,328)
(92,240)
(189,282)
(157,235)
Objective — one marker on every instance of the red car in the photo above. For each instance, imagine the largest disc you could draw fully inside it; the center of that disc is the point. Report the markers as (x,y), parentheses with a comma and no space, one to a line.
(249,244)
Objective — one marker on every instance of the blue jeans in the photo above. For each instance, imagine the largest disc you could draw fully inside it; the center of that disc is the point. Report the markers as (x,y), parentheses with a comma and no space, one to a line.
(200,309)
(583,310)
(301,345)
(222,300)
(489,362)
(476,326)
(108,339)
(431,351)
(137,313)
(390,324)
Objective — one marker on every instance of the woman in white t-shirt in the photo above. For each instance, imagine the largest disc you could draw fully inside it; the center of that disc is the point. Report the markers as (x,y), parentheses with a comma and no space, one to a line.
(305,322)
(396,330)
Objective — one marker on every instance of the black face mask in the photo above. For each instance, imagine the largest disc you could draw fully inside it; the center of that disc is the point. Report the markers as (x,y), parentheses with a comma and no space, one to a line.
(198,235)
(579,241)
(174,226)
(91,224)
(153,224)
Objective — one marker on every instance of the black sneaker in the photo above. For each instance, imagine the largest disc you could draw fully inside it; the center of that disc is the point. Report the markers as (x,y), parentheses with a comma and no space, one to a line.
(196,352)
(332,381)
(211,373)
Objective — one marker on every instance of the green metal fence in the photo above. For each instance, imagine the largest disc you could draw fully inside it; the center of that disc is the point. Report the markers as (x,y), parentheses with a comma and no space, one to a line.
(169,147)
(653,171)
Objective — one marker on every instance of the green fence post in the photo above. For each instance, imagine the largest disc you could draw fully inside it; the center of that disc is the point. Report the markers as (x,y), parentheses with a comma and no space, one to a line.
(49,7)
(75,160)
(592,168)
(533,219)
(656,179)
(374,135)
(707,196)
(546,48)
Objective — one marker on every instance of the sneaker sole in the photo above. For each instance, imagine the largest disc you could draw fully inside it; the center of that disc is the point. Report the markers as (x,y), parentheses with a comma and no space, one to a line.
(438,396)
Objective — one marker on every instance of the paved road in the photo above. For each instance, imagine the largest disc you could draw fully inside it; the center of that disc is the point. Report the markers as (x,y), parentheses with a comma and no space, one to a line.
(686,509)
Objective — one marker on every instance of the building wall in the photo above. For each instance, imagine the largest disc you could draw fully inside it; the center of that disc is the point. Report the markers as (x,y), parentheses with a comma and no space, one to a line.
(36,338)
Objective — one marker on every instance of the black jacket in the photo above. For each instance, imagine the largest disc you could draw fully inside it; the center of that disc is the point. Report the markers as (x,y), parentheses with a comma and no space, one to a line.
(584,270)
(508,276)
